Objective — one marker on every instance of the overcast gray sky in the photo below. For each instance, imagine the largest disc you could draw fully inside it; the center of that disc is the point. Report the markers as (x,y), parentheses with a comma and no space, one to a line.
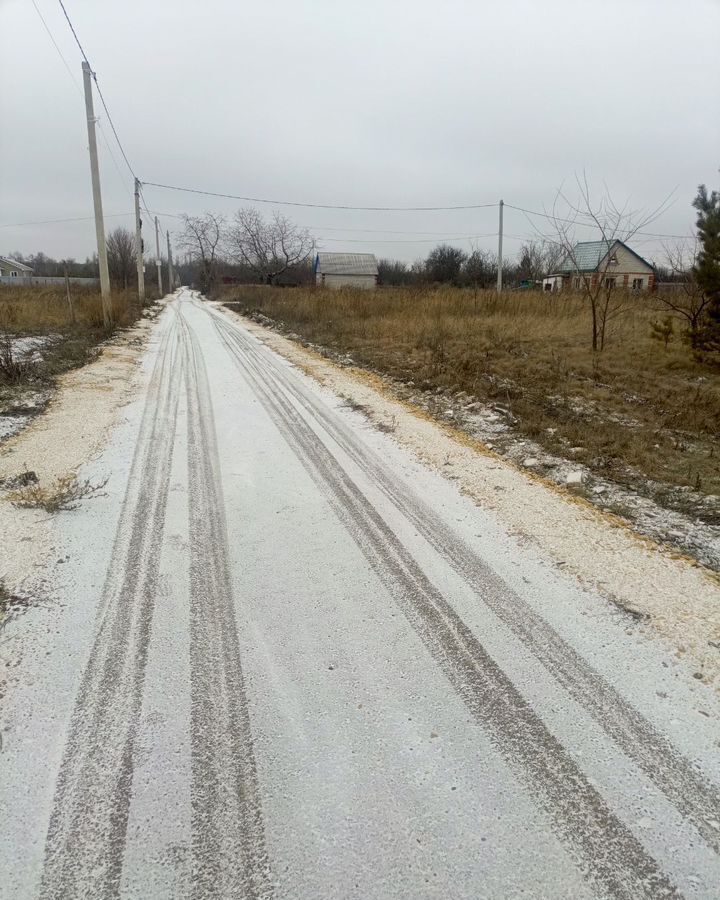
(401,102)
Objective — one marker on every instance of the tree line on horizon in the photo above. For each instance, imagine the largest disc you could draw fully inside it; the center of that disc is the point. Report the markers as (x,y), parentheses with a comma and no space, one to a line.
(251,249)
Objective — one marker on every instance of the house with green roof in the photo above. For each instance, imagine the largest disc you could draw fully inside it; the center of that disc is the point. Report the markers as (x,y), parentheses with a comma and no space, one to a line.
(610,262)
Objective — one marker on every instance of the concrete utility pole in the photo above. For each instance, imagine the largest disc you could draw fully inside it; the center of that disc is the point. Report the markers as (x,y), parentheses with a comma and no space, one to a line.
(158,261)
(139,246)
(171,274)
(500,257)
(97,198)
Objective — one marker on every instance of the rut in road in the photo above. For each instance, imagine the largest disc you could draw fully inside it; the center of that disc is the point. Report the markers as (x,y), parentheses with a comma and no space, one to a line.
(229,855)
(86,836)
(683,785)
(606,849)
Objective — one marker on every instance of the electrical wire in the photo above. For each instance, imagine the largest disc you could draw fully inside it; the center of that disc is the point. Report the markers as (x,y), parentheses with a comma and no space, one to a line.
(81,93)
(386,231)
(79,219)
(457,237)
(532,212)
(171,187)
(100,93)
(529,212)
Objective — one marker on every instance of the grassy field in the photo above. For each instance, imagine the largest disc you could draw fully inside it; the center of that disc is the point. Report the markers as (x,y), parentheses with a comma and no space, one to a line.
(636,411)
(42,313)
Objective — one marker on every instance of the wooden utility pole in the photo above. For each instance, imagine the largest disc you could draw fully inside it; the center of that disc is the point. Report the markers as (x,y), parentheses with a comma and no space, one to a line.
(139,246)
(97,198)
(67,292)
(158,261)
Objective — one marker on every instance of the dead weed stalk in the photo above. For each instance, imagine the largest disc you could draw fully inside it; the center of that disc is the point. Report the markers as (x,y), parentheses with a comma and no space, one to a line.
(64,494)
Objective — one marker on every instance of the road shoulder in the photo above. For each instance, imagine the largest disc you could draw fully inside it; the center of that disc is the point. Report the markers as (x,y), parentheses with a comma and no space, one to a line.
(72,430)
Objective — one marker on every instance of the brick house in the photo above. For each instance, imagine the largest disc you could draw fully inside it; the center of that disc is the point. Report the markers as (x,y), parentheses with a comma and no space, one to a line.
(611,261)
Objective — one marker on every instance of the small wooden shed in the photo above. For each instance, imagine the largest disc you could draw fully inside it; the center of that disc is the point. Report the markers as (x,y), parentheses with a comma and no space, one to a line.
(338,270)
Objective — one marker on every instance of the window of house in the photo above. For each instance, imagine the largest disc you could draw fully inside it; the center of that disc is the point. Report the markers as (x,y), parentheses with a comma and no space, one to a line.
(609,283)
(577,283)
(613,260)
(14,274)
(637,284)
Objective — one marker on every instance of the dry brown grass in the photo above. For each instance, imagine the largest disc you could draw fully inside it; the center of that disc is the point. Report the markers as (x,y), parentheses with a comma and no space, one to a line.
(635,410)
(39,309)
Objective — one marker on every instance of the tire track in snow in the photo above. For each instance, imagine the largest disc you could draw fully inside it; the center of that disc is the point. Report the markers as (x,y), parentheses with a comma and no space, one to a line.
(86,836)
(682,784)
(228,841)
(607,851)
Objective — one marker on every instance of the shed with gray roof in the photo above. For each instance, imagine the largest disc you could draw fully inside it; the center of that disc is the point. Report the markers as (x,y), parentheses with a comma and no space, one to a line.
(338,270)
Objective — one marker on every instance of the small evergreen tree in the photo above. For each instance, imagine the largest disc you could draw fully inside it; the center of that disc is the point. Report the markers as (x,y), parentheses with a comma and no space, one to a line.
(707,266)
(663,331)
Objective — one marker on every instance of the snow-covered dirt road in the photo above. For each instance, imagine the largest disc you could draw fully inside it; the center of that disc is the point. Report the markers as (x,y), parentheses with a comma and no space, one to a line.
(286,660)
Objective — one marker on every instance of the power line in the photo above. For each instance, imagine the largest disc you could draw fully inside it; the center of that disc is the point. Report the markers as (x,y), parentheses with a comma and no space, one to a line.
(55,44)
(80,219)
(52,221)
(388,231)
(80,92)
(100,93)
(171,187)
(77,39)
(532,212)
(459,237)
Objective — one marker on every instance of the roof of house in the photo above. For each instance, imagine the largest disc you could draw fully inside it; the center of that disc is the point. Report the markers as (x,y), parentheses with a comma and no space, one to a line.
(346,264)
(587,255)
(15,264)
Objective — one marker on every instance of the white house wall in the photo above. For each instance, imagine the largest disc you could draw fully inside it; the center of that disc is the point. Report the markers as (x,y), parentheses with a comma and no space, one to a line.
(627,263)
(358,281)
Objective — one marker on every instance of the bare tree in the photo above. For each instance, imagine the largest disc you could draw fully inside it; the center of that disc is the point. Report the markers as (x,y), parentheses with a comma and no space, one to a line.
(268,248)
(597,282)
(121,257)
(532,261)
(688,299)
(480,268)
(552,257)
(201,239)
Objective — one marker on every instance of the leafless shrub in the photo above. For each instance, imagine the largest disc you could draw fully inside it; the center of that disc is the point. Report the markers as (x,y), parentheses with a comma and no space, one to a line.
(12,605)
(14,365)
(688,301)
(353,404)
(65,494)
(388,427)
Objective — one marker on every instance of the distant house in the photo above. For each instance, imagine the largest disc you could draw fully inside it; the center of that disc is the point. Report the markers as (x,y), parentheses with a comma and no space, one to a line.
(338,270)
(10,268)
(612,261)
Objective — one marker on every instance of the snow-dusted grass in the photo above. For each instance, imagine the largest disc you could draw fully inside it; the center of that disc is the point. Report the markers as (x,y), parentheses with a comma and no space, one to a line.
(71,430)
(40,339)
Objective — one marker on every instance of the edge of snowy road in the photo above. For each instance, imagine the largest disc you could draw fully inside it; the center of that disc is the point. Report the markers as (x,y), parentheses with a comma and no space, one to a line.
(72,430)
(661,590)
